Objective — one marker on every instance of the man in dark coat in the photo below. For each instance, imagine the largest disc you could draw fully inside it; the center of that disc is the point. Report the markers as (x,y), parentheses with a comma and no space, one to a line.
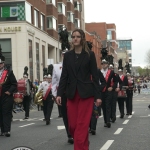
(8,85)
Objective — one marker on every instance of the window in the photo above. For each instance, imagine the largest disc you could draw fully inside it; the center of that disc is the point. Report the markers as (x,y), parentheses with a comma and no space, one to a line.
(130,55)
(37,61)
(61,8)
(30,59)
(109,35)
(77,23)
(6,49)
(51,23)
(77,6)
(28,12)
(69,35)
(42,21)
(130,60)
(70,17)
(36,18)
(51,2)
(43,55)
(70,1)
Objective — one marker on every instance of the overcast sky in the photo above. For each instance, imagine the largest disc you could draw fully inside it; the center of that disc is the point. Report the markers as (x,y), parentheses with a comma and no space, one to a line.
(132,19)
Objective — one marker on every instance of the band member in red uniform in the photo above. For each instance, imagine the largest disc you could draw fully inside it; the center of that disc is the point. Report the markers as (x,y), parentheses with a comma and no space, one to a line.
(107,92)
(129,94)
(115,95)
(8,85)
(122,97)
(47,98)
(79,65)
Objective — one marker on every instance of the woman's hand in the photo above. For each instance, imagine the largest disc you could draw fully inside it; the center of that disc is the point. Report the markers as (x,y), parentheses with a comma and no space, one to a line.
(98,102)
(58,100)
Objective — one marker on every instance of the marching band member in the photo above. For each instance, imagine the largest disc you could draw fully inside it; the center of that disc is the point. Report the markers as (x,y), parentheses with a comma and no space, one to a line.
(27,96)
(8,85)
(122,98)
(48,102)
(115,95)
(129,94)
(79,65)
(57,69)
(107,92)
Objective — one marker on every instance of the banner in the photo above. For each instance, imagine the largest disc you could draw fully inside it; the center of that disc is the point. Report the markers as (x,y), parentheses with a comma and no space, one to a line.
(9,12)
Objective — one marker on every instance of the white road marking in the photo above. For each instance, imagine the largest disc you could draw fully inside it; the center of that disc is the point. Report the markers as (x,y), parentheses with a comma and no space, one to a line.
(130,116)
(149,115)
(118,131)
(60,127)
(118,116)
(101,116)
(125,122)
(27,125)
(107,145)
(133,112)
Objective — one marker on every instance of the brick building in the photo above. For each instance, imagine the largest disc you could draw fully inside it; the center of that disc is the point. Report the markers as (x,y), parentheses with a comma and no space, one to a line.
(107,32)
(29,32)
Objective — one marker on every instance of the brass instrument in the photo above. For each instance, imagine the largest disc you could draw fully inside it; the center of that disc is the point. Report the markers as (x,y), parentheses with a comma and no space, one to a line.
(38,99)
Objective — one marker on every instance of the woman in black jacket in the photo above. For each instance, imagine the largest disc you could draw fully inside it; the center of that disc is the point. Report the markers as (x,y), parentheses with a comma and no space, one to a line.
(79,79)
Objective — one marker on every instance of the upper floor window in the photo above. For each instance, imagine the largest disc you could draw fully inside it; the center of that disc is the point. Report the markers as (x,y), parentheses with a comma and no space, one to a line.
(70,17)
(51,23)
(51,2)
(77,6)
(36,18)
(77,23)
(70,1)
(61,8)
(109,35)
(42,21)
(28,12)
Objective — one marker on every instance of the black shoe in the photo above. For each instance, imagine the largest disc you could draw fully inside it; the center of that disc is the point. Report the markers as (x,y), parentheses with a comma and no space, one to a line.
(26,118)
(47,122)
(59,116)
(122,116)
(44,119)
(108,124)
(7,134)
(93,132)
(149,106)
(70,140)
(127,114)
(2,134)
(130,113)
(113,119)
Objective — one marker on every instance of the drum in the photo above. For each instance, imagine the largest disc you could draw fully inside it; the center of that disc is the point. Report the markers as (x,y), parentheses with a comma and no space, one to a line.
(122,94)
(23,86)
(18,97)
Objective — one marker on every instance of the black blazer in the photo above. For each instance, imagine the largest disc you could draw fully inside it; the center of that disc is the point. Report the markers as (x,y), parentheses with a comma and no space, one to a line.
(11,83)
(118,80)
(83,78)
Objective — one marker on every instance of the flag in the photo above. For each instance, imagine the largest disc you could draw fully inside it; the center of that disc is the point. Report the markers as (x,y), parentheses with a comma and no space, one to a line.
(9,12)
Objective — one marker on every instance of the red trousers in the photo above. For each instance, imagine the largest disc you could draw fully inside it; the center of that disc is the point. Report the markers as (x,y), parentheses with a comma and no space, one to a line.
(79,115)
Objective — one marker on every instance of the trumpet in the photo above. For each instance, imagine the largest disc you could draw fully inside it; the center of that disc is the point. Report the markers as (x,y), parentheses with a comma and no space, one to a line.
(38,99)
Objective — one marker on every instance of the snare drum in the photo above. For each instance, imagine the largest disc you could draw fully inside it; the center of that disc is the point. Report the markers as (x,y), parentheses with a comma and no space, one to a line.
(122,94)
(18,97)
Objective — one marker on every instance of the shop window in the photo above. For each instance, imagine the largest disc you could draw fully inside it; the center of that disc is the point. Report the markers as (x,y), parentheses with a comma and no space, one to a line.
(30,60)
(51,23)
(37,61)
(61,8)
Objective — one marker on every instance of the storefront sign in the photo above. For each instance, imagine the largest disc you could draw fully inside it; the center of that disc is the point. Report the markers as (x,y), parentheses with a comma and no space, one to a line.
(10,29)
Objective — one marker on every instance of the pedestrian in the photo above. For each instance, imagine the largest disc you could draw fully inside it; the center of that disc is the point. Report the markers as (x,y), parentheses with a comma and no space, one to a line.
(139,87)
(57,70)
(79,79)
(8,85)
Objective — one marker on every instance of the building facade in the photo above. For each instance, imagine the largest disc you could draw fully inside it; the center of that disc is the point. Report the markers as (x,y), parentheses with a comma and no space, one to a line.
(107,34)
(29,32)
(126,43)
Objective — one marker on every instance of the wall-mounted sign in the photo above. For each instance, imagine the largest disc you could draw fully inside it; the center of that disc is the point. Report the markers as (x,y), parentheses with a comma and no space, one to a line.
(10,29)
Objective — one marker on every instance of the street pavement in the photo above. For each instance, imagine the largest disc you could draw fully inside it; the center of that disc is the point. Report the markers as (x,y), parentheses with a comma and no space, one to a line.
(130,133)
